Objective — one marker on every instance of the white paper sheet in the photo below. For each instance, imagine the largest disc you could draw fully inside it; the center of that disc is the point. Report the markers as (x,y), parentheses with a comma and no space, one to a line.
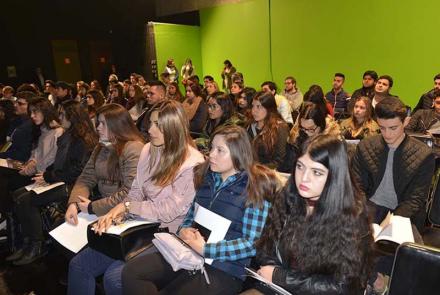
(218,225)
(394,228)
(74,237)
(120,228)
(38,189)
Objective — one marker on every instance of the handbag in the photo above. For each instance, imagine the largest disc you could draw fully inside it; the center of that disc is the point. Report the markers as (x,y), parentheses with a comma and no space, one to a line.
(179,254)
(125,245)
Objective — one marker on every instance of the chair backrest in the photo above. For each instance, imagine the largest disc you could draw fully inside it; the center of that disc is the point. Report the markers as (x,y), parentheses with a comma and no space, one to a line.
(416,270)
(434,201)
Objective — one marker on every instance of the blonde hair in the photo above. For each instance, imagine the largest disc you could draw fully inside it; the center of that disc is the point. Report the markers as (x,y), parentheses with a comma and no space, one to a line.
(174,125)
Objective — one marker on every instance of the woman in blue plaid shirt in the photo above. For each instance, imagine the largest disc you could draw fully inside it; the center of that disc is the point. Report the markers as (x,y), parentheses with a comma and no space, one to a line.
(231,185)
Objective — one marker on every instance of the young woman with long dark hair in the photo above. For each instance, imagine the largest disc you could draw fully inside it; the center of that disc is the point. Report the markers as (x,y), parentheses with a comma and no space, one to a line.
(195,108)
(268,130)
(136,101)
(318,239)
(310,123)
(74,148)
(232,186)
(109,173)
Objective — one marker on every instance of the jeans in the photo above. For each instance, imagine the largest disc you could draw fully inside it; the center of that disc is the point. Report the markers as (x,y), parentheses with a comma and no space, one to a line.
(89,264)
(151,274)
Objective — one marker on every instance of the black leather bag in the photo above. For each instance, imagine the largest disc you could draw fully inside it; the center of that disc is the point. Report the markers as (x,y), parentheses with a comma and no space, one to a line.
(126,245)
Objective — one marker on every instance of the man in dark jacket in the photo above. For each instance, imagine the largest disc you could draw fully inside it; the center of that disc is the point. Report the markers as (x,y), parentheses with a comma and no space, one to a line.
(424,120)
(425,101)
(20,131)
(369,80)
(393,170)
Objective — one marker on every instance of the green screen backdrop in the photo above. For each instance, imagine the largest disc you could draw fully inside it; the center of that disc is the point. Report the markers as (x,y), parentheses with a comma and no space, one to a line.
(178,42)
(238,32)
(313,39)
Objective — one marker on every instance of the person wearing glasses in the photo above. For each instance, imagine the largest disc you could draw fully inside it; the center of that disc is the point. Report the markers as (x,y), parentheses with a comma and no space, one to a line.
(221,112)
(19,135)
(311,122)
(74,148)
(268,130)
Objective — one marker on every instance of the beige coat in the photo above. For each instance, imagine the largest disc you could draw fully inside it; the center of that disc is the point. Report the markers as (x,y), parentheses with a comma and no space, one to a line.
(96,174)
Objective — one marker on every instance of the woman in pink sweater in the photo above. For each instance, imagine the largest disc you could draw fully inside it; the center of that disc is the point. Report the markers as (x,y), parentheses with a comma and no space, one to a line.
(162,191)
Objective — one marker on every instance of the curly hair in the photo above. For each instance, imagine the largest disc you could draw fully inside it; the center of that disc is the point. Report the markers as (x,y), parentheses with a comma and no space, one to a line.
(81,125)
(336,238)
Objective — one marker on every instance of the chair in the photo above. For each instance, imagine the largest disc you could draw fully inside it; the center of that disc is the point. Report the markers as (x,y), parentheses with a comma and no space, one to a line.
(431,234)
(416,270)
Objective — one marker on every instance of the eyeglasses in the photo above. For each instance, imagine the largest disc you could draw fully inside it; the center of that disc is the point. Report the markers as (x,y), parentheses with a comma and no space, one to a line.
(309,130)
(20,103)
(213,107)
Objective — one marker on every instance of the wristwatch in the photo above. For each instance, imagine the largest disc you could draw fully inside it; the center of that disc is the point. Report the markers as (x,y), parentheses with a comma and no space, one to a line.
(127,207)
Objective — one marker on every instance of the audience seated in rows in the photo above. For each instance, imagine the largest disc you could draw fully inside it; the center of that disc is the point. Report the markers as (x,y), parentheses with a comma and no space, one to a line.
(123,177)
(231,185)
(162,190)
(74,148)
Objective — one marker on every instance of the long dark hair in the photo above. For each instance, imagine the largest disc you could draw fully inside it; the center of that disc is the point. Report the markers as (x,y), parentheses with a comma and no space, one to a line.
(174,125)
(50,114)
(269,133)
(81,125)
(121,130)
(336,238)
(315,94)
(308,111)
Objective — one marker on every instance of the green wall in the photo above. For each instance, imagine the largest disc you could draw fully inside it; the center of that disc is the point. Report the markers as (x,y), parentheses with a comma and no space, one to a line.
(178,42)
(313,39)
(238,32)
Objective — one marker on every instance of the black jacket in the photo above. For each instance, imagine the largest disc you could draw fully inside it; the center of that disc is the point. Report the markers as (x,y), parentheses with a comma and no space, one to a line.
(413,168)
(21,138)
(425,101)
(298,282)
(422,120)
(70,159)
(275,158)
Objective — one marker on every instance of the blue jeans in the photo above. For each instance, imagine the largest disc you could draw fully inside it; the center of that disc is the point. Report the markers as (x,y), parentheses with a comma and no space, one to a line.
(89,264)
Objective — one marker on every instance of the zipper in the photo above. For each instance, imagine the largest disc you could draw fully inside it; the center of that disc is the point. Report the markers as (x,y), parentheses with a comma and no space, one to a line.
(221,189)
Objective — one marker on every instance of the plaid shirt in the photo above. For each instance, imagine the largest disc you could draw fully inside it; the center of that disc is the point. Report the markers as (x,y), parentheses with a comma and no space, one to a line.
(253,223)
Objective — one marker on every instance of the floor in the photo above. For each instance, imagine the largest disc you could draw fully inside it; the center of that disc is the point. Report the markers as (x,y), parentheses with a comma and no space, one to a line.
(38,278)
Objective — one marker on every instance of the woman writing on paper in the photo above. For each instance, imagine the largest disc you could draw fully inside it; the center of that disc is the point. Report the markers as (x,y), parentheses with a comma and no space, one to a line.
(74,148)
(162,191)
(229,185)
(317,239)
